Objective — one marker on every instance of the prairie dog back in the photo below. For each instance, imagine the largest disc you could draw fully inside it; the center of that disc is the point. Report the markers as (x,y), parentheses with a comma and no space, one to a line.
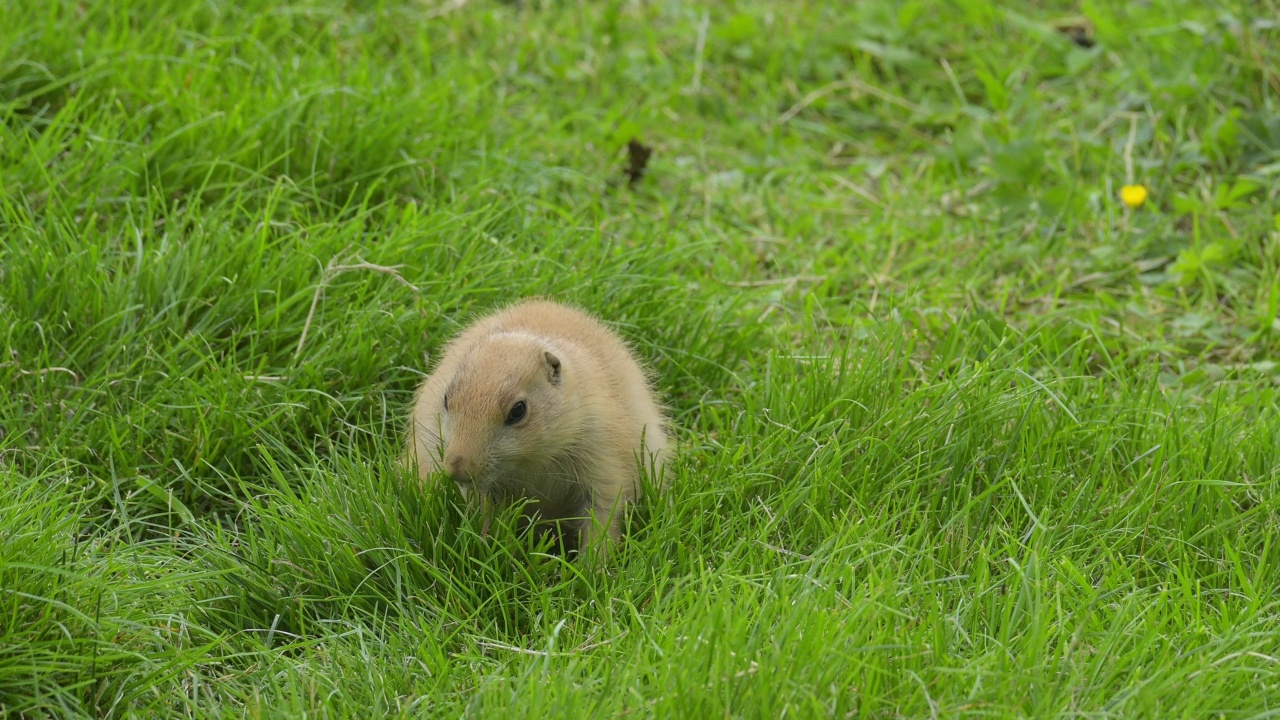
(541,401)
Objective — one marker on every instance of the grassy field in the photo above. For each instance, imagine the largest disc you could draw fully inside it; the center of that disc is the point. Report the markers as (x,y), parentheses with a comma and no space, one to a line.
(961,434)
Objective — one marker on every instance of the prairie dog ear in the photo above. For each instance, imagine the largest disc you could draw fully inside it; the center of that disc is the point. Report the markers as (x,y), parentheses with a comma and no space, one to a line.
(553,367)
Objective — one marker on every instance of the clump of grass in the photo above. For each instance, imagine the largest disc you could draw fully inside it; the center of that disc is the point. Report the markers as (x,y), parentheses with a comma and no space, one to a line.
(91,621)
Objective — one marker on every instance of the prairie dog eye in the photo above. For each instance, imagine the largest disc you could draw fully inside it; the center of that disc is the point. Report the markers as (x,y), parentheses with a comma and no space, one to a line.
(517,413)
(446,403)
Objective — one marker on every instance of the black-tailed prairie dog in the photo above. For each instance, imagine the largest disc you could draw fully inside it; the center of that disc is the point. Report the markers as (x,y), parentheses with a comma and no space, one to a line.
(542,402)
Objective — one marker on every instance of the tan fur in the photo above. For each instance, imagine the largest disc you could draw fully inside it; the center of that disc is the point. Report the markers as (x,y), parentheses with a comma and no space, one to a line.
(588,428)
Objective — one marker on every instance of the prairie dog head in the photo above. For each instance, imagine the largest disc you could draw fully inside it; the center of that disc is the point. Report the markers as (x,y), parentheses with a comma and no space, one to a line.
(509,405)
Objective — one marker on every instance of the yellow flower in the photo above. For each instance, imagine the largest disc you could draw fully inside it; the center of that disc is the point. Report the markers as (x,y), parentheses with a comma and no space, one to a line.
(1133,195)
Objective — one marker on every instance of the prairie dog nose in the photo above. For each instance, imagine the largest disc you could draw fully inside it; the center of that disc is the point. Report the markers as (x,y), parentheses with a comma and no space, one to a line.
(460,469)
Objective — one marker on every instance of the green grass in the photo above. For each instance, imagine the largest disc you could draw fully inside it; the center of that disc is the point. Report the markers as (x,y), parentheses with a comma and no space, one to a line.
(960,434)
